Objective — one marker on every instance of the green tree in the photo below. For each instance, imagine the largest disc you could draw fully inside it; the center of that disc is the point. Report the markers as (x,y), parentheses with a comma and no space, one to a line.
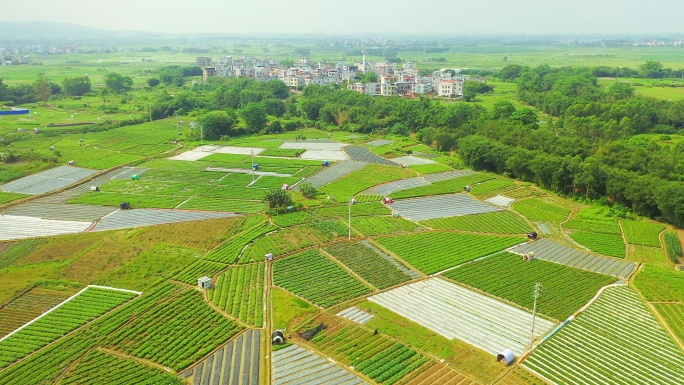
(621,90)
(652,69)
(277,198)
(254,115)
(308,190)
(42,88)
(77,86)
(368,77)
(503,109)
(215,124)
(118,83)
(153,82)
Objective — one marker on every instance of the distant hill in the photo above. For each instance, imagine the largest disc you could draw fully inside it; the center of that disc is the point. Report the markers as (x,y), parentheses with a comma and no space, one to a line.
(39,30)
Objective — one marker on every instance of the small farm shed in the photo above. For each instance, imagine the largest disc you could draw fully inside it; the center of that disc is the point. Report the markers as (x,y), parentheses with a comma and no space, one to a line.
(277,338)
(532,236)
(507,356)
(125,206)
(269,256)
(204,282)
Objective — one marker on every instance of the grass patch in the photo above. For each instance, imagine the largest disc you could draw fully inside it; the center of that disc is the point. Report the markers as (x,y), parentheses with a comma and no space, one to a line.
(647,254)
(288,309)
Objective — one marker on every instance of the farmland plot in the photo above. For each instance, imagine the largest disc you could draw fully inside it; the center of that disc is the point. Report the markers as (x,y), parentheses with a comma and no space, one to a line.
(536,209)
(363,154)
(123,219)
(448,182)
(355,314)
(99,368)
(374,355)
(21,227)
(550,250)
(239,291)
(364,178)
(317,279)
(297,365)
(392,187)
(431,252)
(370,226)
(87,305)
(236,363)
(660,284)
(617,340)
(500,222)
(642,233)
(508,276)
(29,306)
(46,181)
(500,200)
(443,206)
(673,313)
(199,269)
(16,250)
(174,333)
(359,209)
(437,373)
(456,312)
(334,172)
(230,250)
(606,244)
(380,270)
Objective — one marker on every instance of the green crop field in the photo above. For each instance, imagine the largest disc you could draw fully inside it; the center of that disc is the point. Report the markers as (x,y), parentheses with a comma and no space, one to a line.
(536,209)
(230,250)
(99,367)
(91,303)
(444,187)
(292,219)
(200,269)
(430,168)
(315,278)
(359,209)
(493,187)
(378,357)
(175,333)
(605,227)
(500,222)
(383,225)
(660,284)
(643,233)
(374,268)
(364,178)
(606,244)
(673,313)
(435,251)
(239,291)
(674,246)
(17,250)
(508,276)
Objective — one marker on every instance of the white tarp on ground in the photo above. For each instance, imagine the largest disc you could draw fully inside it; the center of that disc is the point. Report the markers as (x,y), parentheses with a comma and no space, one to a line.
(295,365)
(412,160)
(239,150)
(19,227)
(323,155)
(500,200)
(47,181)
(456,312)
(440,206)
(304,145)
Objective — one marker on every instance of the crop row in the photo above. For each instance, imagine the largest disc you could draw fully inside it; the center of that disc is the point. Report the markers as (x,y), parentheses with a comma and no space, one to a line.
(102,368)
(88,305)
(369,265)
(604,227)
(200,269)
(606,244)
(642,232)
(271,182)
(239,291)
(674,247)
(289,152)
(226,205)
(493,187)
(18,250)
(660,284)
(442,187)
(533,210)
(293,238)
(431,252)
(360,209)
(366,177)
(673,313)
(374,355)
(291,219)
(29,306)
(175,333)
(383,225)
(230,250)
(500,222)
(316,278)
(593,347)
(508,276)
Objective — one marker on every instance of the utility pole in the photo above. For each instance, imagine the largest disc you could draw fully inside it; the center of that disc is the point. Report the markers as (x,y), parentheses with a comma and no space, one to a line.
(177,128)
(350,204)
(252,151)
(150,108)
(537,293)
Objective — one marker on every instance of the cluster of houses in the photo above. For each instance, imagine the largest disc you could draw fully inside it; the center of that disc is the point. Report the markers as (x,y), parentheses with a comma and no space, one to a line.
(393,79)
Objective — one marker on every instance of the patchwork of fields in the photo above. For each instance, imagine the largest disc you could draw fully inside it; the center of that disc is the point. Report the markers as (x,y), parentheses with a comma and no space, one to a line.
(441,264)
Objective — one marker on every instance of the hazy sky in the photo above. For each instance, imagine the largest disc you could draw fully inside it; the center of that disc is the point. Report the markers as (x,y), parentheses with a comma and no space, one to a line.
(360,16)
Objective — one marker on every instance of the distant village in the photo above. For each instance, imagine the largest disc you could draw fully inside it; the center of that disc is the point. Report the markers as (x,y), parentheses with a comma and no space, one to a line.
(393,79)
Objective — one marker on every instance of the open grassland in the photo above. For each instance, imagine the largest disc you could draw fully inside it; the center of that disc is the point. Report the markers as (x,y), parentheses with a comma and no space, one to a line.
(508,276)
(431,252)
(500,222)
(660,284)
(175,333)
(379,270)
(239,291)
(314,277)
(642,232)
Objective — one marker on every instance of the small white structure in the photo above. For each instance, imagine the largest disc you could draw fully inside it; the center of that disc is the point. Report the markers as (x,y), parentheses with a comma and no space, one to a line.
(204,282)
(269,257)
(94,188)
(72,162)
(507,356)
